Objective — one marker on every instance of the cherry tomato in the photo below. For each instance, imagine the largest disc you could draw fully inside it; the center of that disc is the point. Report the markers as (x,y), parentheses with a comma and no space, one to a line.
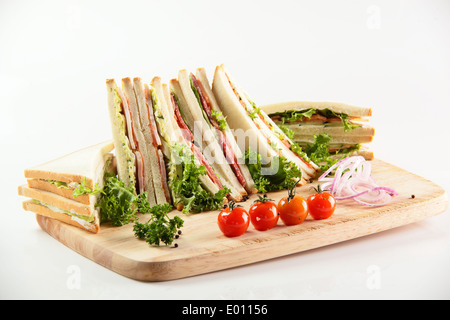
(263,214)
(233,220)
(293,210)
(321,205)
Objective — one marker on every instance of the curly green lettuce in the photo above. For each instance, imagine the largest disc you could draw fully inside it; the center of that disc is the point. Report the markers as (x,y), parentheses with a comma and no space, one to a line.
(319,152)
(280,174)
(296,115)
(186,186)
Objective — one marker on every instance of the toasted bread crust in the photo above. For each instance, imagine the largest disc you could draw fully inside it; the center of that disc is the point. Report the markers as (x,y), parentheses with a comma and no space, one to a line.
(50,187)
(93,227)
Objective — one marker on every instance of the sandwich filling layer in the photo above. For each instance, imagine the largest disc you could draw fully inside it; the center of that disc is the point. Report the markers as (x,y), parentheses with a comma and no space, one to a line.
(315,115)
(217,122)
(275,136)
(125,143)
(67,212)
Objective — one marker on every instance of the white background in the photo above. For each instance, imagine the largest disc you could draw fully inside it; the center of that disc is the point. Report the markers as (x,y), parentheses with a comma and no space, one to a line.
(390,55)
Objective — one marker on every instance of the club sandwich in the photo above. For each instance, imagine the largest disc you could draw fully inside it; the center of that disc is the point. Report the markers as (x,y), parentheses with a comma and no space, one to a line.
(261,134)
(139,158)
(343,129)
(211,132)
(67,188)
(193,183)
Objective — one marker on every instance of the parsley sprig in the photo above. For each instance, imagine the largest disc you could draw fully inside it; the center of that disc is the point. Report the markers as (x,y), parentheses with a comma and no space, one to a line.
(120,205)
(160,227)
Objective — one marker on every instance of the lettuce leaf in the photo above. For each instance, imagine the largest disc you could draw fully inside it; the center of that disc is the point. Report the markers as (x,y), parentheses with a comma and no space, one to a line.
(295,115)
(288,132)
(319,152)
(84,189)
(186,186)
(119,204)
(344,117)
(280,174)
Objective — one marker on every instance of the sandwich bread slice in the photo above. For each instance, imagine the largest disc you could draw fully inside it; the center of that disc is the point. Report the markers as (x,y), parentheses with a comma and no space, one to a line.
(342,129)
(67,188)
(193,184)
(258,133)
(138,149)
(202,121)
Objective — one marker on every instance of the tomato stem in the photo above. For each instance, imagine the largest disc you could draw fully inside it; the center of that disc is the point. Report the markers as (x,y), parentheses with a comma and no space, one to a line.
(318,189)
(233,205)
(262,199)
(291,192)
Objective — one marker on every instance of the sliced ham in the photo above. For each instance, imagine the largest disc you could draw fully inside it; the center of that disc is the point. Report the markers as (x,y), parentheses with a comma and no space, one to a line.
(189,138)
(140,170)
(156,141)
(226,148)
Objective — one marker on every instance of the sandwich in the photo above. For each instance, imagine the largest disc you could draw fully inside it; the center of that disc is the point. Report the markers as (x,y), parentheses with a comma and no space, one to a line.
(263,141)
(67,188)
(327,131)
(211,132)
(138,153)
(193,183)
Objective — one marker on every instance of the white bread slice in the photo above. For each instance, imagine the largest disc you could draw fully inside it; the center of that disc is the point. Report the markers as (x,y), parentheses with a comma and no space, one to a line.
(352,111)
(249,183)
(92,226)
(51,187)
(205,180)
(152,148)
(259,137)
(126,167)
(363,151)
(142,146)
(87,164)
(168,128)
(57,201)
(331,129)
(335,139)
(205,137)
(73,167)
(247,134)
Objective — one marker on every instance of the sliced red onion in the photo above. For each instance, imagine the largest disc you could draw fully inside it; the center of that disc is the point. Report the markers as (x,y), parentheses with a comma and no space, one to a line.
(352,180)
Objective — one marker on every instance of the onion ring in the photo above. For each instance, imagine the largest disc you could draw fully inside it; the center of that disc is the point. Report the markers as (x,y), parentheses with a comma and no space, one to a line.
(352,180)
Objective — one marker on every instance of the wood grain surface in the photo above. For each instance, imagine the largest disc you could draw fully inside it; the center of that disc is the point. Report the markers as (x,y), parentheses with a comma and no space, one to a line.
(202,248)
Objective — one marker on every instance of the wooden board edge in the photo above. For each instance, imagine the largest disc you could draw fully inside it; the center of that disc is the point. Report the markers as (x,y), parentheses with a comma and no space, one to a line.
(175,269)
(252,252)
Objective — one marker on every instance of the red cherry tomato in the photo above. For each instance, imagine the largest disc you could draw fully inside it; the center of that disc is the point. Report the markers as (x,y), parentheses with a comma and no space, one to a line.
(263,214)
(321,205)
(293,210)
(233,221)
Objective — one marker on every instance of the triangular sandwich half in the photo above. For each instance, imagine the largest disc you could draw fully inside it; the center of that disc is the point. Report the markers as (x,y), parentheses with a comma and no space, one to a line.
(209,138)
(258,132)
(193,184)
(344,128)
(53,186)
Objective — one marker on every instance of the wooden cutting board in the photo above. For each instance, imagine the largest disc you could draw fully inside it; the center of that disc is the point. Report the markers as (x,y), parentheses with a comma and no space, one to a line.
(202,248)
